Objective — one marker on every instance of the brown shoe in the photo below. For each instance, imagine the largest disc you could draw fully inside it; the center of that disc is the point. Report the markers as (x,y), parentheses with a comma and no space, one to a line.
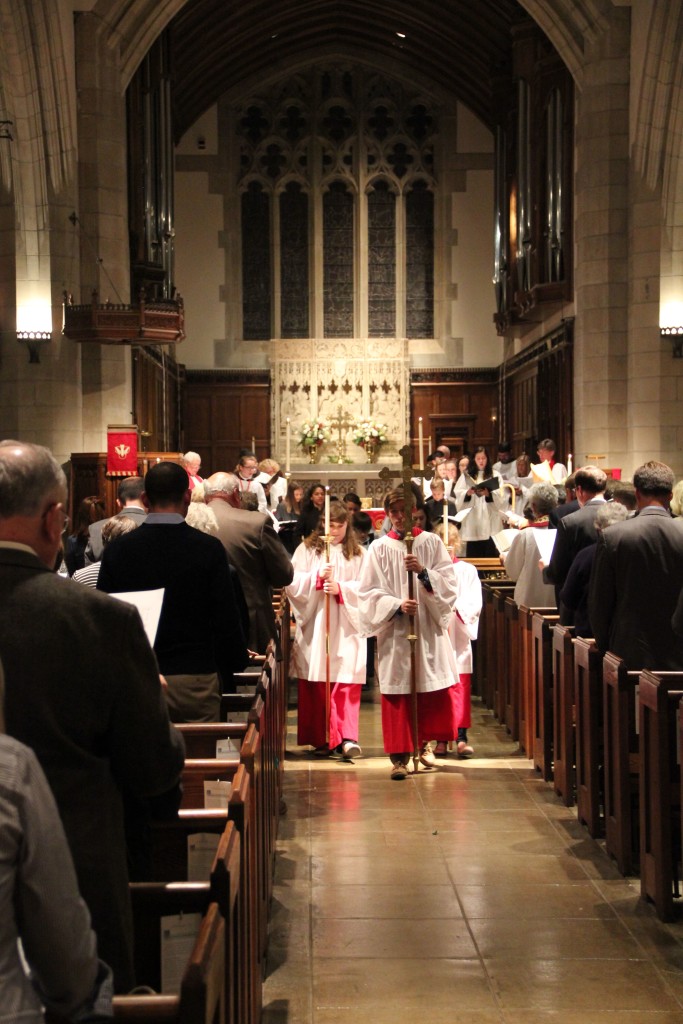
(399,766)
(464,749)
(441,748)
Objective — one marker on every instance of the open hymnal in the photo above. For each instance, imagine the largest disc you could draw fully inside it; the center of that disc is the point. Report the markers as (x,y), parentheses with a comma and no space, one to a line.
(492,484)
(545,541)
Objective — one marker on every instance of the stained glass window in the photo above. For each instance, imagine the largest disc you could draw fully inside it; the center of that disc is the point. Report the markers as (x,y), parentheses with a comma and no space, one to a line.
(420,262)
(256,277)
(381,261)
(338,262)
(294,295)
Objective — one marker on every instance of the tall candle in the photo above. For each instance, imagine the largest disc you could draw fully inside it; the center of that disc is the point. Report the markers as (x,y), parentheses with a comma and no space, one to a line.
(445,522)
(569,464)
(288,444)
(253,445)
(327,510)
(429,445)
(421,443)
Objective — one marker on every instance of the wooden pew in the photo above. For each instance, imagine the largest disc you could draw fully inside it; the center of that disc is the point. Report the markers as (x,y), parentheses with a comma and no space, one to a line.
(622,762)
(169,840)
(153,900)
(589,735)
(542,669)
(499,654)
(525,681)
(660,788)
(563,713)
(511,678)
(201,737)
(486,660)
(201,996)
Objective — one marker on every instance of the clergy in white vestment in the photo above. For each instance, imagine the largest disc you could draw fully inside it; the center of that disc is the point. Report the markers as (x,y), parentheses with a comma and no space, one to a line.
(317,581)
(521,561)
(385,611)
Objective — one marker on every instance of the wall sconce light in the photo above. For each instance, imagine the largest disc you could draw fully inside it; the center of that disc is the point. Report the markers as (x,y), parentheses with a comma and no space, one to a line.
(675,336)
(494,414)
(34,340)
(34,319)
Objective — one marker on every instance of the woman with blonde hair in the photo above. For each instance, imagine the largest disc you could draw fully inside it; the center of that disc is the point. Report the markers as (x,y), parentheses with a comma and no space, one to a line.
(320,586)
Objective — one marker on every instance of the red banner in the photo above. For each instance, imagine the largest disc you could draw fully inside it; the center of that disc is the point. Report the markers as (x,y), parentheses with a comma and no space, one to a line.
(122,451)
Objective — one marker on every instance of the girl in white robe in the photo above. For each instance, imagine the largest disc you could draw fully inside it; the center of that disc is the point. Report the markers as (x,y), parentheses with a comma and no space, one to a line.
(484,517)
(314,578)
(463,629)
(385,611)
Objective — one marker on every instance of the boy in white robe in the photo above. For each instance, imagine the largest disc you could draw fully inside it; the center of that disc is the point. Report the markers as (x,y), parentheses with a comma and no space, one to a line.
(386,611)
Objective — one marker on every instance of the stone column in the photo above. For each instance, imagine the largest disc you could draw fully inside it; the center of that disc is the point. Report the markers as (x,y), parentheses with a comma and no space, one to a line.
(601,248)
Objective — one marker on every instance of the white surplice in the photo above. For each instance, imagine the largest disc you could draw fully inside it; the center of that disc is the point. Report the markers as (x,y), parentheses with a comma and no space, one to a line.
(383,587)
(464,624)
(348,650)
(485,516)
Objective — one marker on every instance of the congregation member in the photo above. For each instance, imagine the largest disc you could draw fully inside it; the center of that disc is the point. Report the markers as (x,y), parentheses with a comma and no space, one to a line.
(113,528)
(323,596)
(90,510)
(623,492)
(191,463)
(82,690)
(462,630)
(636,578)
(363,528)
(577,530)
(546,453)
(129,505)
(676,505)
(247,473)
(252,547)
(199,642)
(522,558)
(574,594)
(40,903)
(485,507)
(386,611)
(567,500)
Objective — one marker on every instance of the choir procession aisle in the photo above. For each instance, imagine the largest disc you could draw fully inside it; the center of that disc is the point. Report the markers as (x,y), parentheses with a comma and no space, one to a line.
(469,893)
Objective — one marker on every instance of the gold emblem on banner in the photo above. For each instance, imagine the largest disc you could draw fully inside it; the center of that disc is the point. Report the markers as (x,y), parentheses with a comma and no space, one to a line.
(122,450)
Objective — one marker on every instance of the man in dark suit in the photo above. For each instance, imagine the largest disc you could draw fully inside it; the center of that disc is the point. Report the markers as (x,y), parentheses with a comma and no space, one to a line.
(577,530)
(82,689)
(255,551)
(129,504)
(570,504)
(200,636)
(637,577)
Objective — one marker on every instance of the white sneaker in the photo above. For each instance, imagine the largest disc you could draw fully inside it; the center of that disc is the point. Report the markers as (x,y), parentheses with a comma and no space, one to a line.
(427,757)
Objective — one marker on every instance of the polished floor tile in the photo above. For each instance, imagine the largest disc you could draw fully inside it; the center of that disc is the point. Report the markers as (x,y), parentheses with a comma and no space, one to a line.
(467,891)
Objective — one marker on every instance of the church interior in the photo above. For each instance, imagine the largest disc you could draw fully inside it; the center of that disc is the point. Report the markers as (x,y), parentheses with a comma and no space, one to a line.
(223,223)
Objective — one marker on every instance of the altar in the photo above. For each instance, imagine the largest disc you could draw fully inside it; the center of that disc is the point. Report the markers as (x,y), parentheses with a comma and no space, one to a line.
(362,479)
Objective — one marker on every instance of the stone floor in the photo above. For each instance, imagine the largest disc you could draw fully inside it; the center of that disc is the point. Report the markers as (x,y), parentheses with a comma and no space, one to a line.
(467,893)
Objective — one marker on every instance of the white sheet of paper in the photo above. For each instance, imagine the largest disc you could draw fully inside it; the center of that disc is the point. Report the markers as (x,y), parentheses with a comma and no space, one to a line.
(503,540)
(545,541)
(201,850)
(178,936)
(216,794)
(148,603)
(462,514)
(237,716)
(227,749)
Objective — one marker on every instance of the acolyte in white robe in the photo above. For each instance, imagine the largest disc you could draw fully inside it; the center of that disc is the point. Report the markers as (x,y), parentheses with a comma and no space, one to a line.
(484,518)
(383,588)
(348,650)
(463,629)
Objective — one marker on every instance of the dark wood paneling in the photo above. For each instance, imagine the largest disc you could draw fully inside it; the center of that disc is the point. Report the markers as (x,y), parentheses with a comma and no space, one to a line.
(156,385)
(457,409)
(222,412)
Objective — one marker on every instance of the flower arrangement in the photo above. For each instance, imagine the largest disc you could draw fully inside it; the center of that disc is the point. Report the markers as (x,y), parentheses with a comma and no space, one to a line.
(368,432)
(314,433)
